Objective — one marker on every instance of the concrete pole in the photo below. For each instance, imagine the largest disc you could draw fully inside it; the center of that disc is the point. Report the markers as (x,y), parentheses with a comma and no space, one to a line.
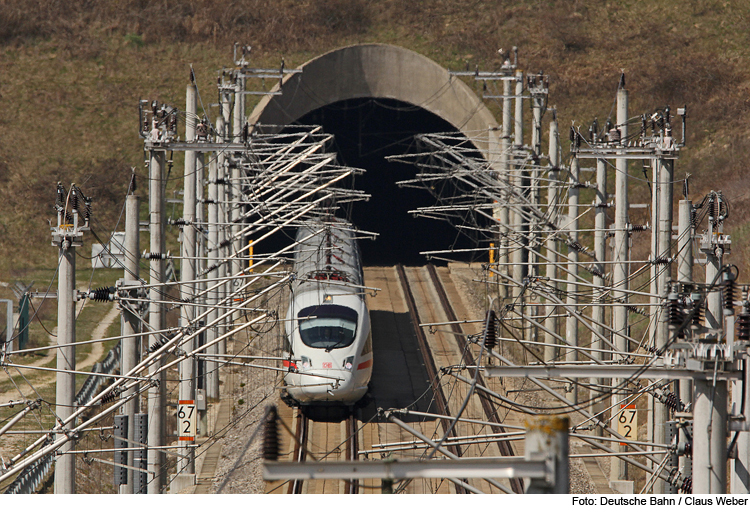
(534,198)
(536,146)
(200,218)
(212,374)
(200,266)
(186,461)
(238,120)
(223,180)
(519,221)
(685,277)
(65,464)
(710,407)
(156,321)
(600,251)
(550,352)
(656,189)
(709,436)
(664,280)
(130,324)
(620,269)
(571,322)
(504,170)
(664,275)
(496,163)
(685,243)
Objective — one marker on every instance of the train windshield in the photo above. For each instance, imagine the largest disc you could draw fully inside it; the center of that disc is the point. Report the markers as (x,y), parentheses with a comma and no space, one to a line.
(327,326)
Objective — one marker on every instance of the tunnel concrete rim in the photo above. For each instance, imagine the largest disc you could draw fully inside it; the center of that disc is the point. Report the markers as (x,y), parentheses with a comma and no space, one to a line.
(376,71)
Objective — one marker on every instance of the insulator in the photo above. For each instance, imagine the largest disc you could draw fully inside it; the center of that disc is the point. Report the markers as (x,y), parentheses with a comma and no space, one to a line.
(87,211)
(712,210)
(490,338)
(730,288)
(572,135)
(698,313)
(74,198)
(271,446)
(102,294)
(661,261)
(575,245)
(153,255)
(673,402)
(597,272)
(225,243)
(635,310)
(60,197)
(614,136)
(743,326)
(687,485)
(173,123)
(179,222)
(638,228)
(159,343)
(676,315)
(211,268)
(110,396)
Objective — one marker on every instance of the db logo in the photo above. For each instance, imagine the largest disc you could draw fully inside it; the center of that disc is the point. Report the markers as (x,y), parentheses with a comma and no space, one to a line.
(327,365)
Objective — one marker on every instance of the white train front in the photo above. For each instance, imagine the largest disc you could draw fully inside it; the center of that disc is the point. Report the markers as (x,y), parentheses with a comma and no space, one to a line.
(329,344)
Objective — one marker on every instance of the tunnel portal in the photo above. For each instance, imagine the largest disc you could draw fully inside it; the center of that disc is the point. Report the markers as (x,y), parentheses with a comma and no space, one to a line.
(374,99)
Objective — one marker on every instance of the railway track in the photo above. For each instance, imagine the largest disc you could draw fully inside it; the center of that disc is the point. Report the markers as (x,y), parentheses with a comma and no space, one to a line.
(460,355)
(489,410)
(317,441)
(419,294)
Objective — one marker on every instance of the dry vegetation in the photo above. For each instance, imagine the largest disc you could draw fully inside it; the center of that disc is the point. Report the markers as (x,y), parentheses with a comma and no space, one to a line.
(72,72)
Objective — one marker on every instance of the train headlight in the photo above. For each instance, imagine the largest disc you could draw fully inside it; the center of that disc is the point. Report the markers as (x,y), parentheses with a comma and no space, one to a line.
(306,363)
(349,363)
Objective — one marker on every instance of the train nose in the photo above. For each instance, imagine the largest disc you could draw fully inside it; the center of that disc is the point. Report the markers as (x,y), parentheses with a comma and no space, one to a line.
(327,385)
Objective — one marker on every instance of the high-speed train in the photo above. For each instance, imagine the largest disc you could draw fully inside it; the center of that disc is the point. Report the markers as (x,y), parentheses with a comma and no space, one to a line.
(328,352)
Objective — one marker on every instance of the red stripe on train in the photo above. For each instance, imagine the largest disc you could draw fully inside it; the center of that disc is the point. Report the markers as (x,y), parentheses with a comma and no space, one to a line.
(289,364)
(364,365)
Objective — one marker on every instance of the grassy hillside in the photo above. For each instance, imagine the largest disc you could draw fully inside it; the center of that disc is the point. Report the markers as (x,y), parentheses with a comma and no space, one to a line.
(73,71)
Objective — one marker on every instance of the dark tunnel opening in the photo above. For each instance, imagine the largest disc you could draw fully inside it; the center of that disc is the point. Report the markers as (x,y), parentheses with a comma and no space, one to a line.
(366,130)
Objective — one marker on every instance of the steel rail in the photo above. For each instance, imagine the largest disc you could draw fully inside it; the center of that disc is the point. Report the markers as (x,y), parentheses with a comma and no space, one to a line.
(300,448)
(506,449)
(429,362)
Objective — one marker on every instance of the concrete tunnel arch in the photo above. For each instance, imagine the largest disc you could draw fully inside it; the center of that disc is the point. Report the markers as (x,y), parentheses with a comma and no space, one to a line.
(377,71)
